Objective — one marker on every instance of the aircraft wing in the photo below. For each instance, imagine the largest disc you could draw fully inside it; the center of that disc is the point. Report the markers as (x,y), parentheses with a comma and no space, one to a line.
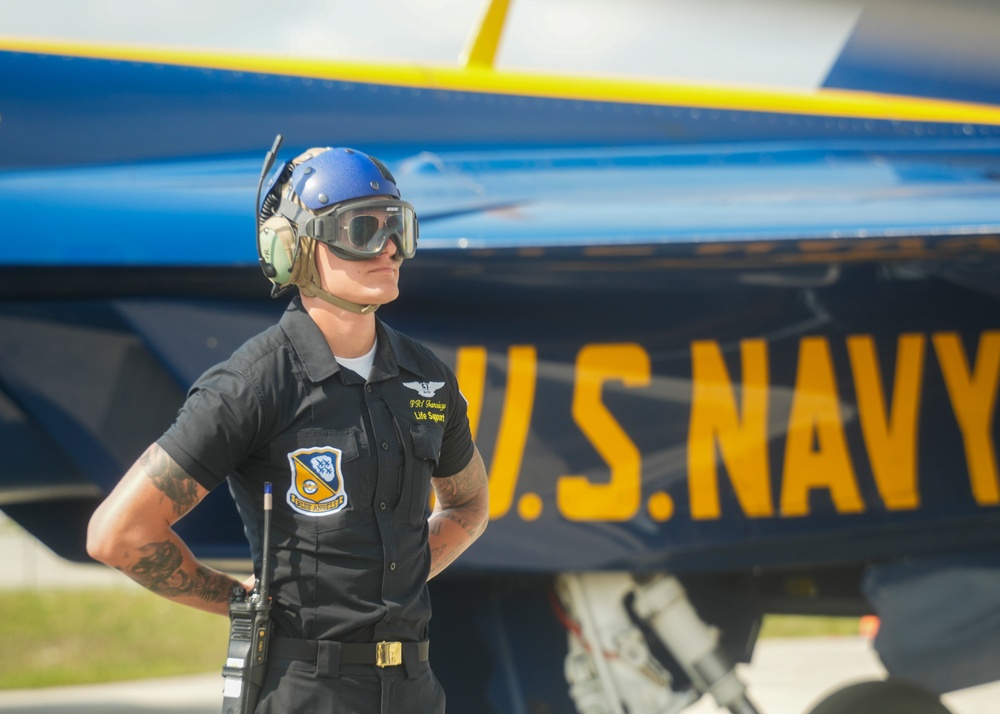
(507,199)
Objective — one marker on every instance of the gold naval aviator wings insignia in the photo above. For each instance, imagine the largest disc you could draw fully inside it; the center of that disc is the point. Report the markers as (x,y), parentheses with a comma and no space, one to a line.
(317,484)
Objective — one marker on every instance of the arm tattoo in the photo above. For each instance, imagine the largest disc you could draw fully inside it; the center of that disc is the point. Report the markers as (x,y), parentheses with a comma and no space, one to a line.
(457,499)
(458,489)
(159,568)
(211,586)
(168,477)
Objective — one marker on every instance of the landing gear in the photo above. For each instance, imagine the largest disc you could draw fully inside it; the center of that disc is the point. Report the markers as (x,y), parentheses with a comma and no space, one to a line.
(881,697)
(610,668)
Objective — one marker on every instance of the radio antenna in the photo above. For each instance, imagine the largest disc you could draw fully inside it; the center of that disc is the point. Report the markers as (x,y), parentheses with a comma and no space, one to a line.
(265,564)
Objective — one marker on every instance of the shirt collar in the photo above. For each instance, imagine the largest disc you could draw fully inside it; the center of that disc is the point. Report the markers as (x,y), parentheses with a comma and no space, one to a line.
(310,345)
(393,352)
(308,342)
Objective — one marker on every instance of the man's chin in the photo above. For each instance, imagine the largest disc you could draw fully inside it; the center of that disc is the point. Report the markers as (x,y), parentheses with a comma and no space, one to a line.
(384,296)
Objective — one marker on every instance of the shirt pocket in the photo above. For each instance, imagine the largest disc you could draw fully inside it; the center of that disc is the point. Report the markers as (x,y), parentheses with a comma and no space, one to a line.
(327,486)
(426,452)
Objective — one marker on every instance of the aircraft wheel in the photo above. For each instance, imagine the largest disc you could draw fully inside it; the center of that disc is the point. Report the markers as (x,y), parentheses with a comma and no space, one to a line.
(888,696)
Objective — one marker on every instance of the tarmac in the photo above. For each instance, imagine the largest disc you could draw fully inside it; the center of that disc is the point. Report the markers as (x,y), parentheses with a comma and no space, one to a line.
(786,676)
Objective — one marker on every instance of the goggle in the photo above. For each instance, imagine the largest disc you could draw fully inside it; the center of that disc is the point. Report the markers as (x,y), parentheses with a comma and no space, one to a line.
(359,230)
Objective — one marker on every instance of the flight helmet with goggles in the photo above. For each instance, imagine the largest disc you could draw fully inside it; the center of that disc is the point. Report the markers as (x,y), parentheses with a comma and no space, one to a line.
(338,196)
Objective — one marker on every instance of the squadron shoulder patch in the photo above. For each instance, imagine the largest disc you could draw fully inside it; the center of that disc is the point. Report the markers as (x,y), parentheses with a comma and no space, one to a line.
(317,487)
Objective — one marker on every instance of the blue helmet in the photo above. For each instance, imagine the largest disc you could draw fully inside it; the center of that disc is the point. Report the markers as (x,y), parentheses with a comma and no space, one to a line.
(341,197)
(320,178)
(339,175)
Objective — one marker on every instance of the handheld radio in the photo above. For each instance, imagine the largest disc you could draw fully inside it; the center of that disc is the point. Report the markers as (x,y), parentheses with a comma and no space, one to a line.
(249,633)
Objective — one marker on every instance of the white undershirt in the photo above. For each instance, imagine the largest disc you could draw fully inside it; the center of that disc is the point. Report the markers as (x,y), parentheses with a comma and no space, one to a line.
(362,365)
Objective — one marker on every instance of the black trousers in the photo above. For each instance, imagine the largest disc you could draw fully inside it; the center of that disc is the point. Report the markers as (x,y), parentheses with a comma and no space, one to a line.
(300,687)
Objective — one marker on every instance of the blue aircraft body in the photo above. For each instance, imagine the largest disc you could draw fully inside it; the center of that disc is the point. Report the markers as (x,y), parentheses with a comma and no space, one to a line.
(748,337)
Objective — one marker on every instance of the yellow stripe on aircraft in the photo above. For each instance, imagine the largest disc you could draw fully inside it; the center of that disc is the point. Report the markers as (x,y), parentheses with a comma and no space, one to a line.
(482,78)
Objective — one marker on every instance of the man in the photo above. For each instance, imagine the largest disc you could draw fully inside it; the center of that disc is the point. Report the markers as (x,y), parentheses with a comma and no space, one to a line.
(352,422)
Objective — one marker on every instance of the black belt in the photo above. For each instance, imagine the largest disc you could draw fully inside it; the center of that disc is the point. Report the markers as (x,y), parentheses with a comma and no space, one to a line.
(329,656)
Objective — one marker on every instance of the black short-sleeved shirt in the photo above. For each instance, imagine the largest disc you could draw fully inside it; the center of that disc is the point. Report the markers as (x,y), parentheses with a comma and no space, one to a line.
(350,462)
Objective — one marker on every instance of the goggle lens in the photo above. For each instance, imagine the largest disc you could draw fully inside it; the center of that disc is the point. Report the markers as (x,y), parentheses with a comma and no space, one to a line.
(361,229)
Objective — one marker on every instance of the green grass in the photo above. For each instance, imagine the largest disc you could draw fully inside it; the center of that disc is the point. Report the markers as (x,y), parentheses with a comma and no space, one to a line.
(101,635)
(808,626)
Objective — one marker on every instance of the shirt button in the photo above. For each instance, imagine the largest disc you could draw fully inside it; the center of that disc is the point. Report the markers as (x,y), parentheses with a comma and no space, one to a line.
(392,566)
(385,446)
(381,505)
(368,387)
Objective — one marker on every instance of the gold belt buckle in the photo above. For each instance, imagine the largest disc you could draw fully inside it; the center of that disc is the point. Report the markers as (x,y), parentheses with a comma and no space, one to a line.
(388,654)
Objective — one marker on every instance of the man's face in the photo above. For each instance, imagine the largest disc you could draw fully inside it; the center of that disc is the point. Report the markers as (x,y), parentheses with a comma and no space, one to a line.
(367,282)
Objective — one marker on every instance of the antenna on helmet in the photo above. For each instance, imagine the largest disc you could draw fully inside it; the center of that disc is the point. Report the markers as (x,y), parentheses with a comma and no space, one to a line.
(268,163)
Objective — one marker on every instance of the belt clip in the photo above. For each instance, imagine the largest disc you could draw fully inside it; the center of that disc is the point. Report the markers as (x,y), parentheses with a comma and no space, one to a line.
(388,654)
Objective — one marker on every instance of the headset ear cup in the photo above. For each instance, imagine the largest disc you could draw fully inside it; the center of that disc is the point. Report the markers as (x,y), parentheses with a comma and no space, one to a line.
(276,244)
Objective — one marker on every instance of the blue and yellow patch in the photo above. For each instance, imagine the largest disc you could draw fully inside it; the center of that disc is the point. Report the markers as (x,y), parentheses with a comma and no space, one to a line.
(317,484)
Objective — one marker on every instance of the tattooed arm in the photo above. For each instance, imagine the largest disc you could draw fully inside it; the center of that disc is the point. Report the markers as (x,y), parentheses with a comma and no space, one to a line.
(460,513)
(132,531)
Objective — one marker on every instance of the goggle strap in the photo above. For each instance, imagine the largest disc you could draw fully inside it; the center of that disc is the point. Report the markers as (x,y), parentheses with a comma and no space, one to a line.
(347,305)
(314,228)
(309,288)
